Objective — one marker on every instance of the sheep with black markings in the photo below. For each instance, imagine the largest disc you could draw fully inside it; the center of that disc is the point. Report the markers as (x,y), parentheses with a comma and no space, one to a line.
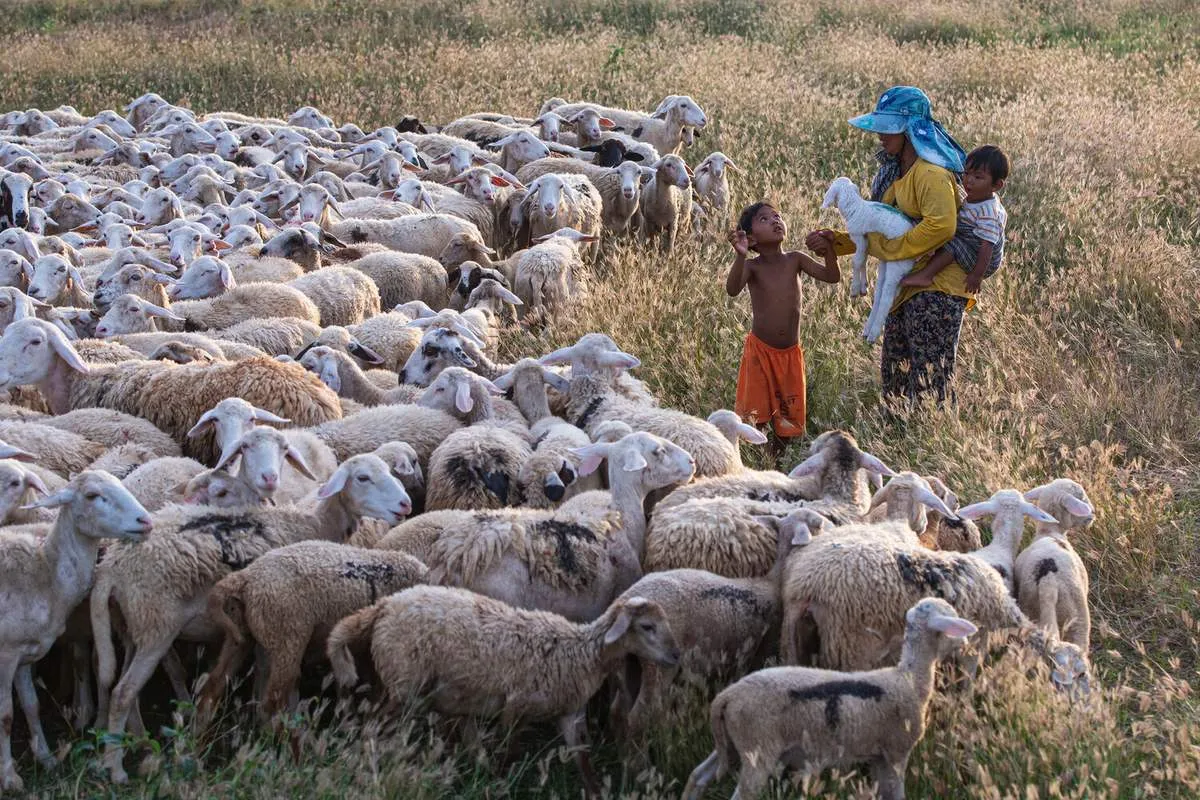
(485,656)
(285,602)
(423,234)
(811,719)
(1008,510)
(1052,582)
(161,587)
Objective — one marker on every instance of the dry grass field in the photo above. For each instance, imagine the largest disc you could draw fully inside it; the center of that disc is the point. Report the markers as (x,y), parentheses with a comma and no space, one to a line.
(1082,358)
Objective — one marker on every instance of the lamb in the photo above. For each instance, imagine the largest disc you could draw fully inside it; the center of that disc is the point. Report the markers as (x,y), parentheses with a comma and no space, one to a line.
(423,234)
(1008,510)
(131,314)
(863,217)
(572,560)
(855,585)
(273,335)
(57,283)
(484,656)
(1052,582)
(287,599)
(552,272)
(810,719)
(35,352)
(712,184)
(244,302)
(339,372)
(723,625)
(666,205)
(402,277)
(162,587)
(592,400)
(736,431)
(43,582)
(554,202)
(423,428)
(343,296)
(619,186)
(158,482)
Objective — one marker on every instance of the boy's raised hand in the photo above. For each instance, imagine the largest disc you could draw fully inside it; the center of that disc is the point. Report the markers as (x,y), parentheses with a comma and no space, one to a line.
(740,241)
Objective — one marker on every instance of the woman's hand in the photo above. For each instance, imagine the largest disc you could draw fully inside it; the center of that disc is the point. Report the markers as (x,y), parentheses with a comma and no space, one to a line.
(819,241)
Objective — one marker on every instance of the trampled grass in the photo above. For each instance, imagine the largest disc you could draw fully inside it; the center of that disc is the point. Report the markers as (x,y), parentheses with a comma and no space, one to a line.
(1081,360)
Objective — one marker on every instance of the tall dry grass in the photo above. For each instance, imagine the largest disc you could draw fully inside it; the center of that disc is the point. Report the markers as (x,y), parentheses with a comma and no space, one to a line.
(1081,360)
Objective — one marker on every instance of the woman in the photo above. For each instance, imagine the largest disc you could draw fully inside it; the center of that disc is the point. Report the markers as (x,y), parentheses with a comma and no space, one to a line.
(918,165)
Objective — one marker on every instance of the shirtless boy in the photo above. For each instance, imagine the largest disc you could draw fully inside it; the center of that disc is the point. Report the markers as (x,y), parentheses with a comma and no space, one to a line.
(770,390)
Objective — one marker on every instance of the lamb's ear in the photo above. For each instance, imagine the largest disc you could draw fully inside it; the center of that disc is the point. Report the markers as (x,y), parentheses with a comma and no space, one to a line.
(1038,515)
(751,434)
(591,456)
(59,498)
(504,382)
(977,510)
(880,497)
(633,461)
(462,398)
(335,484)
(1077,507)
(261,415)
(872,464)
(562,355)
(1034,494)
(555,381)
(933,502)
(624,619)
(207,420)
(809,465)
(952,626)
(293,456)
(615,358)
(15,453)
(64,350)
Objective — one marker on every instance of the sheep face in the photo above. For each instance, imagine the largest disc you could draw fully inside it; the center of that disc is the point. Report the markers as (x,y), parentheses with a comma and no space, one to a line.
(631,179)
(640,625)
(439,348)
(366,486)
(218,488)
(460,394)
(101,507)
(264,451)
(132,279)
(15,481)
(50,277)
(159,207)
(13,267)
(131,314)
(314,200)
(14,200)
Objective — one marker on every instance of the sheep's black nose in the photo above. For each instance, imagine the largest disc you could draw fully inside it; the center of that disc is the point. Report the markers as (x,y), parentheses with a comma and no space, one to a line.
(21,220)
(555,492)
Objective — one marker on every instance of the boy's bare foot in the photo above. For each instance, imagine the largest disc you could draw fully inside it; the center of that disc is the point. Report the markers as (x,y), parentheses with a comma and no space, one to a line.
(919,278)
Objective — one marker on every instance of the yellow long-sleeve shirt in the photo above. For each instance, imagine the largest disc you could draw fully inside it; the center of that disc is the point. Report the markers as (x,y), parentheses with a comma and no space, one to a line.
(928,194)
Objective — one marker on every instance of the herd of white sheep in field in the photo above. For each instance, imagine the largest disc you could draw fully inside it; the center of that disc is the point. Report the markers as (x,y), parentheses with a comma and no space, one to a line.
(254,402)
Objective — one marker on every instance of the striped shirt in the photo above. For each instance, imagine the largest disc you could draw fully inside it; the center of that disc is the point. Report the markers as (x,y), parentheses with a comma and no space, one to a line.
(986,219)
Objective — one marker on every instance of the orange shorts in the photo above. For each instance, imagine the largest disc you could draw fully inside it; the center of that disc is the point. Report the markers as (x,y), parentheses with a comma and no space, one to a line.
(771,387)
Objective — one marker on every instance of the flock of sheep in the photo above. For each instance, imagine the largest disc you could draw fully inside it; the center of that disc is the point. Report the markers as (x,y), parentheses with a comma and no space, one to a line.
(254,401)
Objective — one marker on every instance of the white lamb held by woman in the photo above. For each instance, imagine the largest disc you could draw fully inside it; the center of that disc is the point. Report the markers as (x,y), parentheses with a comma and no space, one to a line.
(863,217)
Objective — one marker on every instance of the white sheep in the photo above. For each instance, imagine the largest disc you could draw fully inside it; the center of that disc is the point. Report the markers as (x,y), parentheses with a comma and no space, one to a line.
(343,295)
(131,314)
(401,277)
(666,205)
(1008,510)
(620,187)
(157,604)
(58,283)
(1052,582)
(485,656)
(863,217)
(551,273)
(811,719)
(43,581)
(712,183)
(424,234)
(555,201)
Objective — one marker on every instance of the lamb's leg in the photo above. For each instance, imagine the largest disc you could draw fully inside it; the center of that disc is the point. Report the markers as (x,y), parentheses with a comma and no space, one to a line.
(85,704)
(284,673)
(889,777)
(754,776)
(10,781)
(574,729)
(858,282)
(228,662)
(647,697)
(144,662)
(29,706)
(701,776)
(886,289)
(881,277)
(172,664)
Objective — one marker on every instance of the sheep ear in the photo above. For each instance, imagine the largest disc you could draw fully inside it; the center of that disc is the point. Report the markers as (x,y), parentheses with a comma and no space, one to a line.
(226,276)
(751,434)
(977,510)
(64,350)
(59,498)
(157,311)
(228,454)
(620,625)
(880,497)
(555,381)
(504,382)
(1077,507)
(329,375)
(872,464)
(633,461)
(615,358)
(16,453)
(932,501)
(562,355)
(952,626)
(364,353)
(296,460)
(1038,515)
(508,297)
(809,465)
(462,398)
(261,415)
(335,484)
(1035,494)
(34,482)
(590,456)
(207,420)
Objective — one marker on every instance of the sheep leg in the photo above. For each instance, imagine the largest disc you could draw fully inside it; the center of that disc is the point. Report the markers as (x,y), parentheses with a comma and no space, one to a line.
(10,781)
(282,677)
(29,706)
(754,776)
(228,662)
(647,697)
(858,264)
(887,286)
(172,664)
(789,643)
(889,778)
(574,729)
(85,706)
(144,662)
(701,776)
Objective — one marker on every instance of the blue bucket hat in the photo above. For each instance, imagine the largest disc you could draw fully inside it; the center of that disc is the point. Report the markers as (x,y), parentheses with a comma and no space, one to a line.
(905,109)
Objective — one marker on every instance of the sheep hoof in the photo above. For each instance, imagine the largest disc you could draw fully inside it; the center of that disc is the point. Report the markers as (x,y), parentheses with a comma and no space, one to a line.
(11,782)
